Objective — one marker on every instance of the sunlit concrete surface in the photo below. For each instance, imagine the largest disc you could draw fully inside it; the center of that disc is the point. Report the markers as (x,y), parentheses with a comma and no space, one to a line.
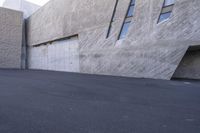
(11,22)
(149,50)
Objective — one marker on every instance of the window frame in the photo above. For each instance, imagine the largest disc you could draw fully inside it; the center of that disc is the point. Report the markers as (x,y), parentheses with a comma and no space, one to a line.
(129,11)
(127,19)
(159,20)
(168,4)
(112,19)
(126,31)
(168,8)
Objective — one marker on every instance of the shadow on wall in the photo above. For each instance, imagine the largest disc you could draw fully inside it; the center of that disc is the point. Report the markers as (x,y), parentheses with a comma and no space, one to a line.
(189,68)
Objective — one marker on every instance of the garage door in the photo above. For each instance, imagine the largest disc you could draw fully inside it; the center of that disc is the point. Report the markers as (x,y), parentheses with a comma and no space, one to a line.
(62,55)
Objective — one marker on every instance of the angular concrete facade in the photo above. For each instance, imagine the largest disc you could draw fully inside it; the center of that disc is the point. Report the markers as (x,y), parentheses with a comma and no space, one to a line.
(150,50)
(10,38)
(71,35)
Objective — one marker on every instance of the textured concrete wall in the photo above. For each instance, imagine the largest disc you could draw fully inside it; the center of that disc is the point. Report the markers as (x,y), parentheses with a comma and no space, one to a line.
(10,38)
(190,66)
(150,50)
(62,55)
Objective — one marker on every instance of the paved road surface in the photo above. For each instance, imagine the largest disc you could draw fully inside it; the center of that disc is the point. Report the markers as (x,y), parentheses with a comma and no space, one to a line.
(55,102)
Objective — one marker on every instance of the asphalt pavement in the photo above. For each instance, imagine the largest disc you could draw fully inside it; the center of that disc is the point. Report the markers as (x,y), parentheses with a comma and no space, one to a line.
(57,102)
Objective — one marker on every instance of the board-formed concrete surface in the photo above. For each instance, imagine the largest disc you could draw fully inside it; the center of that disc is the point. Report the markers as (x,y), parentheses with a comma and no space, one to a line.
(60,55)
(10,38)
(56,102)
(150,50)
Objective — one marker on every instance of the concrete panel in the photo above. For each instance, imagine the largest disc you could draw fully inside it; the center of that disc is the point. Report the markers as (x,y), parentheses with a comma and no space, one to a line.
(59,55)
(10,38)
(150,50)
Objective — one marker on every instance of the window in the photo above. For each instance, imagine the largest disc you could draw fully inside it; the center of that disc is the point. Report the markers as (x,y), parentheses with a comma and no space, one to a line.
(127,20)
(166,10)
(124,30)
(168,2)
(112,20)
(131,9)
(164,16)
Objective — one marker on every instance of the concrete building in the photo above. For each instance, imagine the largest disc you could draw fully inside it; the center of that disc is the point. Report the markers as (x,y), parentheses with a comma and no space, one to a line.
(26,7)
(133,38)
(10,38)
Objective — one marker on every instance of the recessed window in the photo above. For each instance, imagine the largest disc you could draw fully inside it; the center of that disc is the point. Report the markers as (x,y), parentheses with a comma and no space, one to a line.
(127,20)
(166,10)
(110,29)
(130,11)
(124,30)
(132,2)
(164,16)
(168,2)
